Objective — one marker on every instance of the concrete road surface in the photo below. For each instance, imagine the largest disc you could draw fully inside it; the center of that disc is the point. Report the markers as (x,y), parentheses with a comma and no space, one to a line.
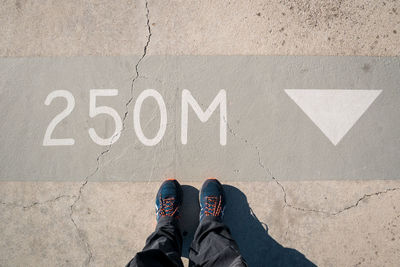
(293,105)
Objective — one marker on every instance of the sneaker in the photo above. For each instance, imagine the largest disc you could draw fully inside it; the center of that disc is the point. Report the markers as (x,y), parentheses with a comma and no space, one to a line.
(169,199)
(212,199)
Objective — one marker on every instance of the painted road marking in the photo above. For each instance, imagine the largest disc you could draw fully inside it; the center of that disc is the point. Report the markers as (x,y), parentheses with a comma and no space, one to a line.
(192,117)
(334,111)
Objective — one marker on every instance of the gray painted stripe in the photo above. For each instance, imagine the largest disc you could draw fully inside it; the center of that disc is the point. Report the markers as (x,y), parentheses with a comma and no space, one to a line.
(267,133)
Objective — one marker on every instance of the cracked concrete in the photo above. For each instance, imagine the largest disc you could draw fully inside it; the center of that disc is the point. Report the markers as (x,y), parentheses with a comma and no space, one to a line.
(86,180)
(110,227)
(269,175)
(88,223)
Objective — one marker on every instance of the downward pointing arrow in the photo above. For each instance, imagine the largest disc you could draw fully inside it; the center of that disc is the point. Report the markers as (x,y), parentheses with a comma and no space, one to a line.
(334,111)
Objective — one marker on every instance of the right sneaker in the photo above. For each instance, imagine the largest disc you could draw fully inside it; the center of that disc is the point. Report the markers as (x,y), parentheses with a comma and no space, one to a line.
(212,199)
(169,199)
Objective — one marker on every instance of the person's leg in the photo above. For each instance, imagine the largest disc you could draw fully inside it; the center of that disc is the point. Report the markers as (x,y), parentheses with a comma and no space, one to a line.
(164,246)
(213,244)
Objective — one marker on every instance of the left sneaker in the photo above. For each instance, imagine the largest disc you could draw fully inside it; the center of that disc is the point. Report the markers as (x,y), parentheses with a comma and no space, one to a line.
(169,199)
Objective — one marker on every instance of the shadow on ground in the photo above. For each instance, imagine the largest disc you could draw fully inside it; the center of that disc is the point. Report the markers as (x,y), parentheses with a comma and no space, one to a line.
(256,245)
(189,216)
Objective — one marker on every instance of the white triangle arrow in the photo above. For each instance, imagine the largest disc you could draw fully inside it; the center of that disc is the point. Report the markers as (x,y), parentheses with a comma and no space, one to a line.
(333,111)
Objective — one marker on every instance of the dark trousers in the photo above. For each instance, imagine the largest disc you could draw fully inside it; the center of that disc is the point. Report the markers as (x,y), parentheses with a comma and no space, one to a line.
(212,245)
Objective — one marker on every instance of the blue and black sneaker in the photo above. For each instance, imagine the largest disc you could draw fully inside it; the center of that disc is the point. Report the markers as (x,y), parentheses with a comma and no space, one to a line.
(212,199)
(169,199)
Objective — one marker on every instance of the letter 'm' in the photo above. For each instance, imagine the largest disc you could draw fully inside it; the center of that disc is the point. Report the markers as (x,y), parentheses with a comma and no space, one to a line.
(219,100)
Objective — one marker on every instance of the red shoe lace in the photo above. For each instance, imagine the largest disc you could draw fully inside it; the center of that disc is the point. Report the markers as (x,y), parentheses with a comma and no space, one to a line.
(213,206)
(167,207)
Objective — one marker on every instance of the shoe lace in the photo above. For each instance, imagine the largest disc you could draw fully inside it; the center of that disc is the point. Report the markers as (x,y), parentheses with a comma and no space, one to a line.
(213,206)
(167,207)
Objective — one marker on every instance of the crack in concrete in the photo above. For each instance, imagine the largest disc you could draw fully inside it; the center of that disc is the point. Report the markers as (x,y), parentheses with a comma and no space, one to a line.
(37,203)
(285,201)
(137,65)
(86,180)
(365,196)
(71,213)
(127,104)
(80,235)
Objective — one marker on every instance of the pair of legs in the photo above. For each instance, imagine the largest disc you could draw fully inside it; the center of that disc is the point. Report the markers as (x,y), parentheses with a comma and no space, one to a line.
(212,245)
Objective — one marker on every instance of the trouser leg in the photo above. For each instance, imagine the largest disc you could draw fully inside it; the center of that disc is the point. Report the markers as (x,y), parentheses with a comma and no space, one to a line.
(213,245)
(163,247)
